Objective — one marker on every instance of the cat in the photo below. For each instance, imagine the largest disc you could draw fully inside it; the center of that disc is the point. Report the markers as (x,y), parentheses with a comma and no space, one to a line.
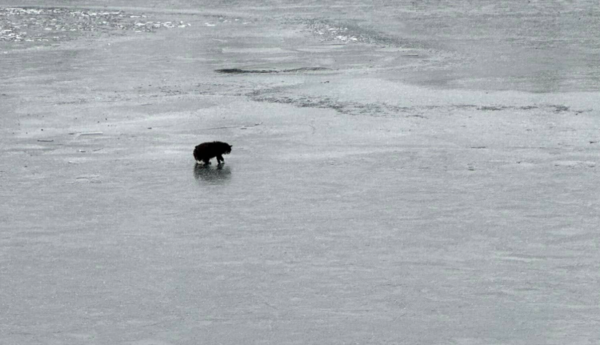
(205,151)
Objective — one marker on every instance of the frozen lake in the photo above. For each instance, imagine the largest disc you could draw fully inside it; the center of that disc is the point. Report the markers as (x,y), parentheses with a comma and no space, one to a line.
(402,173)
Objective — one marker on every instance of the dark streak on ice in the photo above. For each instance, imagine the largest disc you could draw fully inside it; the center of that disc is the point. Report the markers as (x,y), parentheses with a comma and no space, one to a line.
(255,71)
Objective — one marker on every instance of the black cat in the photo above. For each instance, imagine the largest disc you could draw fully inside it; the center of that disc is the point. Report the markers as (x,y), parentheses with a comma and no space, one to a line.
(205,151)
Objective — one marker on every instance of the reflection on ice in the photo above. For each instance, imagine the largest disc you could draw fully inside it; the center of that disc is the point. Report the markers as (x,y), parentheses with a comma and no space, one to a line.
(212,174)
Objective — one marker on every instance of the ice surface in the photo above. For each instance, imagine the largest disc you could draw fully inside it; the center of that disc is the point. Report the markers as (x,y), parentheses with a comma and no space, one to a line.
(434,181)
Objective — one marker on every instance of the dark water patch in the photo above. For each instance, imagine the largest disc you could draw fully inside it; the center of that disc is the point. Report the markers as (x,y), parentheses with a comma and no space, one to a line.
(560,108)
(491,108)
(556,108)
(382,109)
(347,108)
(270,71)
